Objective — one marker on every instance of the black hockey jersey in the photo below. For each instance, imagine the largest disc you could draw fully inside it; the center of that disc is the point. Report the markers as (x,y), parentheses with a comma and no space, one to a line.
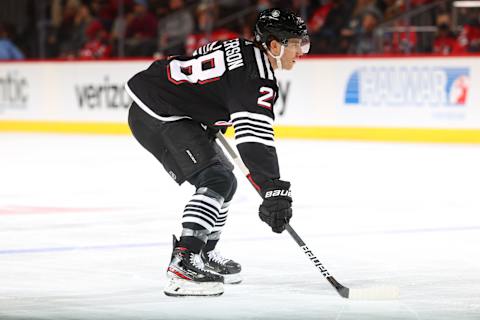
(224,83)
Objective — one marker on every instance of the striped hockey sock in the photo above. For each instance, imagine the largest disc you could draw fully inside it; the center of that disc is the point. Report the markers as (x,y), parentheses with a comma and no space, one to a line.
(217,230)
(222,217)
(200,218)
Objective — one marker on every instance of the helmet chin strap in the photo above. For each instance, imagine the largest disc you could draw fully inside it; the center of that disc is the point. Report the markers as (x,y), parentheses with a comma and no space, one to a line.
(277,58)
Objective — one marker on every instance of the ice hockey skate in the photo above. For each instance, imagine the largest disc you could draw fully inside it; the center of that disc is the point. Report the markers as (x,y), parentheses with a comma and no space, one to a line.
(229,269)
(187,276)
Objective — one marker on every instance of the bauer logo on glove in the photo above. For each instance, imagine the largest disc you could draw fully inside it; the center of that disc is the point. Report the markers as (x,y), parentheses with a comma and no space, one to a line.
(278,193)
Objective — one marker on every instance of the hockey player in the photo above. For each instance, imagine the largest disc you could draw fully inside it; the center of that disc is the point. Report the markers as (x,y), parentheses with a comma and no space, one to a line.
(179,105)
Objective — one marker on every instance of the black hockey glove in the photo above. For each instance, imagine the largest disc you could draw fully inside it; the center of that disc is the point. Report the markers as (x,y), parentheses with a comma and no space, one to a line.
(276,208)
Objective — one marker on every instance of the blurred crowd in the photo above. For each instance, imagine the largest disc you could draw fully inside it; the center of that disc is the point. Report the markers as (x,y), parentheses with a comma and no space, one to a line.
(93,29)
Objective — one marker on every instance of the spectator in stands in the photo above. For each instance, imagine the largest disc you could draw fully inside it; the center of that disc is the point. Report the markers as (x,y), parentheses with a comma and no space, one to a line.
(141,31)
(403,41)
(97,45)
(333,25)
(469,37)
(362,6)
(206,17)
(230,7)
(316,21)
(105,11)
(416,3)
(64,23)
(445,41)
(251,18)
(119,25)
(328,39)
(8,50)
(247,22)
(161,8)
(304,8)
(315,25)
(392,9)
(174,28)
(76,36)
(363,41)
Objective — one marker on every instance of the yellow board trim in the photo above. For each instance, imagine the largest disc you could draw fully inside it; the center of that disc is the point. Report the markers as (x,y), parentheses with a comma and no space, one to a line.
(381,134)
(64,127)
(292,132)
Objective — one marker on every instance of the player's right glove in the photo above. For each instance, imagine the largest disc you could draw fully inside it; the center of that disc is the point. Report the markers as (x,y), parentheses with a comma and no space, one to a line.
(276,208)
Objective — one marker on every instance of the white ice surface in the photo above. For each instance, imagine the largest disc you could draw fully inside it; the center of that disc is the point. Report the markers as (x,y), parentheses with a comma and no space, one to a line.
(86,224)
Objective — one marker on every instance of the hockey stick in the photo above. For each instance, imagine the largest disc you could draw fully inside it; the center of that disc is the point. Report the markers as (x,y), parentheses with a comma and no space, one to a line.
(373,293)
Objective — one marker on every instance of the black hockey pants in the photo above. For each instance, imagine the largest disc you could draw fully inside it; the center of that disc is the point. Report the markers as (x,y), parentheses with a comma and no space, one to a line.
(186,151)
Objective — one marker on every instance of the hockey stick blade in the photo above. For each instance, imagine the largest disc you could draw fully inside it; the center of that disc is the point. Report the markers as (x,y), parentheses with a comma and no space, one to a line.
(372,293)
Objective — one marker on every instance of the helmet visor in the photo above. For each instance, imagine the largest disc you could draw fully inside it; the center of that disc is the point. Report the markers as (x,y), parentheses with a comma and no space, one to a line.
(301,44)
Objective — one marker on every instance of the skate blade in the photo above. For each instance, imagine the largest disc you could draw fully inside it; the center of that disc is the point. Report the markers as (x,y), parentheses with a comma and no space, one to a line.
(232,278)
(186,288)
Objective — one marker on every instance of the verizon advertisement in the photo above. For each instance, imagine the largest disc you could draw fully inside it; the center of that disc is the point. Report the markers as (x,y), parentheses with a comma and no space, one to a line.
(349,92)
(70,91)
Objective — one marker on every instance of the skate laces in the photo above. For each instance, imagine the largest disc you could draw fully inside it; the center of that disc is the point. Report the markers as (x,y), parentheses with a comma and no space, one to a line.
(197,262)
(215,256)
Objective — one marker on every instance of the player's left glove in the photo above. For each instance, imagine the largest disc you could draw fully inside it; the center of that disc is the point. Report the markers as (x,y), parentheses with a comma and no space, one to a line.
(276,208)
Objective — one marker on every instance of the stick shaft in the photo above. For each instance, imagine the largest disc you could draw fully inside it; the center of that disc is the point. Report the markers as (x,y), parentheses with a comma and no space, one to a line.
(343,291)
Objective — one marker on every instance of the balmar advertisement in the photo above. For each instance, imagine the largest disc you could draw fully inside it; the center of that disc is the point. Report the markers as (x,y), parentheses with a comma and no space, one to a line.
(383,92)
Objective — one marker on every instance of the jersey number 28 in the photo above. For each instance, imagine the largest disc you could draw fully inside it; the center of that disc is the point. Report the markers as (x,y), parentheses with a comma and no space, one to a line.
(203,69)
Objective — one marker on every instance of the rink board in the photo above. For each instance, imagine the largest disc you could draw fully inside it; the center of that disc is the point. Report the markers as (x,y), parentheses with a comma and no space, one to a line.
(428,99)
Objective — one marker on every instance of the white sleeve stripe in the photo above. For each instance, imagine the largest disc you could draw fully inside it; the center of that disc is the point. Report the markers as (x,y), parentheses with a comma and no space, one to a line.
(253,128)
(267,64)
(144,107)
(258,57)
(253,124)
(254,133)
(252,116)
(254,139)
(267,121)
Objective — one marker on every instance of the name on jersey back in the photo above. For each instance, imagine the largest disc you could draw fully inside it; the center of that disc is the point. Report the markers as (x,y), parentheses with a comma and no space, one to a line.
(233,54)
